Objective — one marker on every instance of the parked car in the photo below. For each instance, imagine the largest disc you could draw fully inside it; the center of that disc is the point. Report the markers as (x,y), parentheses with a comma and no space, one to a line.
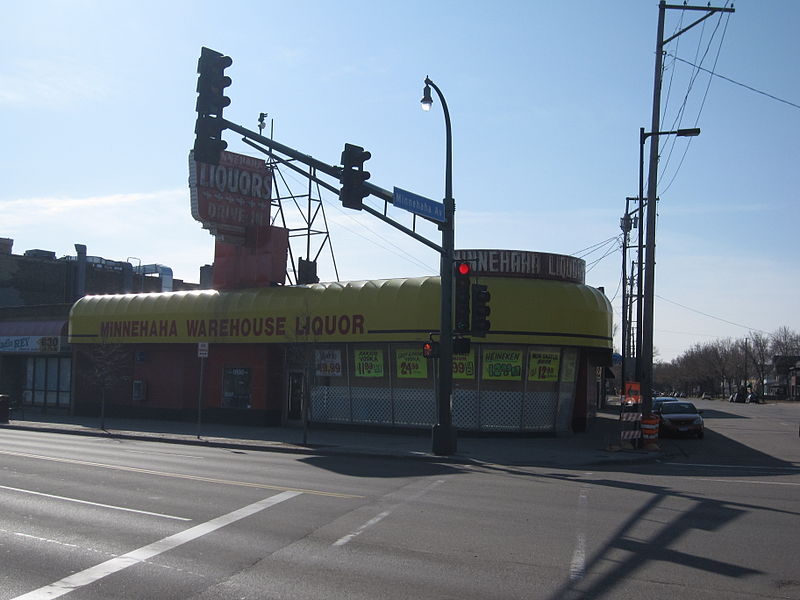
(739,396)
(753,398)
(680,418)
(657,402)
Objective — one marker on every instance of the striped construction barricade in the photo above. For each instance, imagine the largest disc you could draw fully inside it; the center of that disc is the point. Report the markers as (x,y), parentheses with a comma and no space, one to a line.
(650,432)
(630,416)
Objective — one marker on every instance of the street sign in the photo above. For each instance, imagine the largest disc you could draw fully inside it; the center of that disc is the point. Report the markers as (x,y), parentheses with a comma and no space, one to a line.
(419,205)
(202,350)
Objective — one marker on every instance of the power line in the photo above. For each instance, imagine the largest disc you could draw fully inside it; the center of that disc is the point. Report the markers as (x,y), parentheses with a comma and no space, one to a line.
(728,79)
(710,316)
(693,79)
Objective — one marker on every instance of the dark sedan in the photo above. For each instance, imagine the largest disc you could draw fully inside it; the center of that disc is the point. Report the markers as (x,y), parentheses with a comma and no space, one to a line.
(680,418)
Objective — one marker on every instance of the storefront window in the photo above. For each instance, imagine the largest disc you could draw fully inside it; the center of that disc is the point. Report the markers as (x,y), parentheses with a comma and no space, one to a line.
(236,388)
(47,381)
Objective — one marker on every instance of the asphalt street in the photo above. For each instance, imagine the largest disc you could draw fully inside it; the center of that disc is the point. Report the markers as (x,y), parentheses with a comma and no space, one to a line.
(91,516)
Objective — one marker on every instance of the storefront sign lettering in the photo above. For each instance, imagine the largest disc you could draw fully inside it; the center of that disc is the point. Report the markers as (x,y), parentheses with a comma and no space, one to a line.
(329,325)
(30,343)
(245,327)
(502,364)
(520,263)
(411,364)
(234,193)
(117,329)
(369,363)
(543,366)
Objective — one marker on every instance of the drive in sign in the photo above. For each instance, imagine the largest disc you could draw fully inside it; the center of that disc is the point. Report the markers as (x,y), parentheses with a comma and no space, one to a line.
(419,205)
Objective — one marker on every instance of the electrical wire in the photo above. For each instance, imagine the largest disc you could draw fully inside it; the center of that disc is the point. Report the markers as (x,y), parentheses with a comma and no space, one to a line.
(612,250)
(593,247)
(682,110)
(744,85)
(708,315)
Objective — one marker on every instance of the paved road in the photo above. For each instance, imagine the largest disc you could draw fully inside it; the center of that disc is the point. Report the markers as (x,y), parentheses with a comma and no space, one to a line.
(110,518)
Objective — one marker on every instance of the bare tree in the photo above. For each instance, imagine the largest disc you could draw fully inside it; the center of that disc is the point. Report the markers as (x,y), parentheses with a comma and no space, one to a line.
(108,368)
(785,342)
(759,351)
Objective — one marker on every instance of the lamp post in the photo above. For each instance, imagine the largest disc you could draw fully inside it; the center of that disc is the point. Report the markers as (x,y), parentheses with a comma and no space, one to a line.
(444,434)
(644,308)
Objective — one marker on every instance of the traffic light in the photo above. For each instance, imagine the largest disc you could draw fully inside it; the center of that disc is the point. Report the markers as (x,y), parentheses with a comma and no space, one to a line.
(208,142)
(211,84)
(353,176)
(480,310)
(461,283)
(430,349)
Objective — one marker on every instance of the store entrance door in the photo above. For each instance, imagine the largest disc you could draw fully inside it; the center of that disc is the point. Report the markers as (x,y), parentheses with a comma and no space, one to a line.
(295,397)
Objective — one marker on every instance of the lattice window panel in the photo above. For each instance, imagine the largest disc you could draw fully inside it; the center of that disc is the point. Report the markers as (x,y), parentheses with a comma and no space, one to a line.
(501,410)
(414,407)
(330,404)
(371,405)
(466,409)
(539,411)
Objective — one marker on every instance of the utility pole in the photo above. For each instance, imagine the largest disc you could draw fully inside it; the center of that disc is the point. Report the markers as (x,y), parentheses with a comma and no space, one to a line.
(650,261)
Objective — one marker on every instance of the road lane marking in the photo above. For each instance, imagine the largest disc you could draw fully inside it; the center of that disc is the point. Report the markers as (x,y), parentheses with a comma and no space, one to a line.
(380,517)
(577,567)
(140,555)
(261,486)
(78,501)
(741,467)
(741,481)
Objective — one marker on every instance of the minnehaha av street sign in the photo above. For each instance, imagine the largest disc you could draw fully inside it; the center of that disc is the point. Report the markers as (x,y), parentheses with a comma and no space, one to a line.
(419,205)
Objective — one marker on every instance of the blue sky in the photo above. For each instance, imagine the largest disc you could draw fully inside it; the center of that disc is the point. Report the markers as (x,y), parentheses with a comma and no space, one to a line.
(546,99)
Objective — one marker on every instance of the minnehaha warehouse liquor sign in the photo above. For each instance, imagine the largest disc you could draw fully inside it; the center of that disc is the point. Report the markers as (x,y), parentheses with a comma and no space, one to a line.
(245,327)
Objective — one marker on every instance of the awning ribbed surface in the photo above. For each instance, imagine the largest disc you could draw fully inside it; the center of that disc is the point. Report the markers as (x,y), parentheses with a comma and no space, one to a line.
(522,311)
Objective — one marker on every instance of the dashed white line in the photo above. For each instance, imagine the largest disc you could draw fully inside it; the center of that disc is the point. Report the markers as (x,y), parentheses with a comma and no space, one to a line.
(577,567)
(380,517)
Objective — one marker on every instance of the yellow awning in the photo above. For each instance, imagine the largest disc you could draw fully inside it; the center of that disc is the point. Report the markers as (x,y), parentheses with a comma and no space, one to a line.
(522,311)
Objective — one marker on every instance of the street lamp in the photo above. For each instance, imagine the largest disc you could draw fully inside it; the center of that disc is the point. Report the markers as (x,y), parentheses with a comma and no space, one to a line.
(444,434)
(644,309)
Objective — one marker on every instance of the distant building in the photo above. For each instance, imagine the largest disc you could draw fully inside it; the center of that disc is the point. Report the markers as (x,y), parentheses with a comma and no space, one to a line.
(37,291)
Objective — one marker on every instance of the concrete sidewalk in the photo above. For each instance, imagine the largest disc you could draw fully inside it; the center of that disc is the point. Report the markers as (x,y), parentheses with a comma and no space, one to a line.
(600,445)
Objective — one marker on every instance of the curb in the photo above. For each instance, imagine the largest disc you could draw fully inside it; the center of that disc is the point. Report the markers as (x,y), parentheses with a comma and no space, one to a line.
(623,456)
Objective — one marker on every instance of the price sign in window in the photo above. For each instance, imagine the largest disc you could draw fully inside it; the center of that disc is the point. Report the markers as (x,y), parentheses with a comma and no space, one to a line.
(368,363)
(329,363)
(464,365)
(502,365)
(411,364)
(543,366)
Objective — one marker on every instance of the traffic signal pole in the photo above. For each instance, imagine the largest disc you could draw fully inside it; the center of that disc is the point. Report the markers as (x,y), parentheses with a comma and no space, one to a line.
(209,146)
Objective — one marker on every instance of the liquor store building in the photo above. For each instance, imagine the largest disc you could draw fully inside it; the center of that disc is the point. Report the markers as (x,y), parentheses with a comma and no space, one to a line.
(351,353)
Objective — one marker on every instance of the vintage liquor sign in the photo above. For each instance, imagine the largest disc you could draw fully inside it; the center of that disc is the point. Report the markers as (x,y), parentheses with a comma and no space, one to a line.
(231,196)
